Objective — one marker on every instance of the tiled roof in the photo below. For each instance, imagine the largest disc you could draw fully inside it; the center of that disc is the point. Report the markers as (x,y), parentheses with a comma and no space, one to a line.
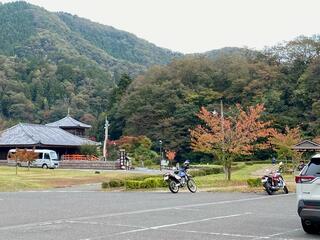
(68,122)
(32,134)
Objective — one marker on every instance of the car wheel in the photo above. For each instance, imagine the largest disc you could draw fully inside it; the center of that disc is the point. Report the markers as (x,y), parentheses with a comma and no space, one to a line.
(309,227)
(44,166)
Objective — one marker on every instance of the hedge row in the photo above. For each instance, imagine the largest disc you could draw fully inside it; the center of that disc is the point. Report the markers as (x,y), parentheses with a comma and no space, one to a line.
(206,171)
(137,183)
(254,182)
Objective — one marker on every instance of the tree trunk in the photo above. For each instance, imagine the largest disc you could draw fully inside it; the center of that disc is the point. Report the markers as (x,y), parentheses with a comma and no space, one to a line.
(229,173)
(16,168)
(29,166)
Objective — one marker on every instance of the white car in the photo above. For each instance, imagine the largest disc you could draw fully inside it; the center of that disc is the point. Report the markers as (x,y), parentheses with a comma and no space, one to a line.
(308,194)
(46,159)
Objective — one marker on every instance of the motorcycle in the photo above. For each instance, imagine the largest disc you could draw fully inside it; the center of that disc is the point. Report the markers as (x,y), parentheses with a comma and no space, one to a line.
(176,181)
(273,182)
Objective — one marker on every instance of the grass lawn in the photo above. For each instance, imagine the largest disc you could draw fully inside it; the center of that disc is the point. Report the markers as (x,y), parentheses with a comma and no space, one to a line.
(38,178)
(217,182)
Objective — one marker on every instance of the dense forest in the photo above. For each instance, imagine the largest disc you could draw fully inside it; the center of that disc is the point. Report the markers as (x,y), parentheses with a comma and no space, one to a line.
(163,102)
(50,62)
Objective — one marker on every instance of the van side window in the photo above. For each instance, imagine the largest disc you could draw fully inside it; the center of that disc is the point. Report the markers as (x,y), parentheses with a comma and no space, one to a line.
(40,155)
(46,156)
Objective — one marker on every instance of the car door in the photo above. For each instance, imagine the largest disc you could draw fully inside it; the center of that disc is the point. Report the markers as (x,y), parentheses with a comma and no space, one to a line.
(310,190)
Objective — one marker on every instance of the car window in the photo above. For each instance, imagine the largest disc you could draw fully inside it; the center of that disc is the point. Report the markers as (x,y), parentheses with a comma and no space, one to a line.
(313,168)
(46,156)
(40,155)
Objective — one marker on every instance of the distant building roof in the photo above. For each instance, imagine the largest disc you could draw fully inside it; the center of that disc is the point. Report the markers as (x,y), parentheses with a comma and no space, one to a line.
(306,145)
(68,122)
(35,134)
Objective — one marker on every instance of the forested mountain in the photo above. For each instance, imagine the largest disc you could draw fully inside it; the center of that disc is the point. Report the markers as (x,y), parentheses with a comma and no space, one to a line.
(165,100)
(52,61)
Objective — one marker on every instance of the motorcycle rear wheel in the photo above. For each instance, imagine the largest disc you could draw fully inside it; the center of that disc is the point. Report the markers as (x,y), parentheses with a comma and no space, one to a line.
(173,186)
(192,185)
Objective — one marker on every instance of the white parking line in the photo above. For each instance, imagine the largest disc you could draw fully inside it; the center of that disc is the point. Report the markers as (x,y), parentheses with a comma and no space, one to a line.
(172,225)
(173,207)
(278,234)
(213,233)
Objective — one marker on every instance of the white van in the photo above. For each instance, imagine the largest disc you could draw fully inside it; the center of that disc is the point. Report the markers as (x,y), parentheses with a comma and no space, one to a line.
(46,159)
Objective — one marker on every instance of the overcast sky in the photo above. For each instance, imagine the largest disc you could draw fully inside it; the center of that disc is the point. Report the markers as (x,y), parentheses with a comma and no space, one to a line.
(192,26)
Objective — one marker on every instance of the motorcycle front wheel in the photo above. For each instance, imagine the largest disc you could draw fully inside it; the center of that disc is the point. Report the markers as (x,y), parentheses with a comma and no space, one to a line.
(192,185)
(285,189)
(173,186)
(267,188)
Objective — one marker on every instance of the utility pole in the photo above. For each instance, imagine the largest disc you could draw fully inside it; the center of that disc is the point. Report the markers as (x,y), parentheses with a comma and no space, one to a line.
(106,130)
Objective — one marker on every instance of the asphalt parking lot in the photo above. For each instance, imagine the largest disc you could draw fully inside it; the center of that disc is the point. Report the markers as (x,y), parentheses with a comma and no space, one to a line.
(88,215)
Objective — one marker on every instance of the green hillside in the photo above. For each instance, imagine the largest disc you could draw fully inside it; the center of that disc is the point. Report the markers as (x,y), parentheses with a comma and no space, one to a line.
(52,61)
(165,100)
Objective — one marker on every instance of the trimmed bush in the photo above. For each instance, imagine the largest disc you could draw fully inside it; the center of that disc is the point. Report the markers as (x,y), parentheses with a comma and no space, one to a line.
(248,163)
(254,182)
(132,184)
(149,183)
(206,171)
(105,185)
(116,183)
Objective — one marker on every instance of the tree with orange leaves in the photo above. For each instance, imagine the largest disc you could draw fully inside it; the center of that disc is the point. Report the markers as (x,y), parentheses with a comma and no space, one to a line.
(170,155)
(283,143)
(23,155)
(229,137)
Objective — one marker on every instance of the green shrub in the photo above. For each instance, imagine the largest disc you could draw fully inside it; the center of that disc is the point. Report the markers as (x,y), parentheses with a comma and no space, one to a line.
(149,183)
(148,163)
(105,185)
(206,171)
(88,149)
(213,170)
(254,182)
(197,173)
(116,183)
(248,163)
(132,184)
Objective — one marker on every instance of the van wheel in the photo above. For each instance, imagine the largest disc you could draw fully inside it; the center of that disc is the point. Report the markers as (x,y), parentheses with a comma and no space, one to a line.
(44,166)
(19,164)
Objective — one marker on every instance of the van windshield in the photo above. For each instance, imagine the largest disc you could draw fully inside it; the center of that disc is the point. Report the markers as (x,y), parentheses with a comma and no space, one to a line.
(53,156)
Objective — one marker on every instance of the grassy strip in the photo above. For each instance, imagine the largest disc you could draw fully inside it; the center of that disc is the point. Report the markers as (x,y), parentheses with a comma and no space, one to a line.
(47,178)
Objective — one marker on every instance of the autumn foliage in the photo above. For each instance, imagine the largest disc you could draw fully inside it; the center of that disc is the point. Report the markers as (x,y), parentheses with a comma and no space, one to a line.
(228,137)
(24,155)
(170,155)
(283,143)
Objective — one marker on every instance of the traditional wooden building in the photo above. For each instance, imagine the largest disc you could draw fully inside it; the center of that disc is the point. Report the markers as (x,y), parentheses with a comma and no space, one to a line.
(71,125)
(24,135)
(307,146)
